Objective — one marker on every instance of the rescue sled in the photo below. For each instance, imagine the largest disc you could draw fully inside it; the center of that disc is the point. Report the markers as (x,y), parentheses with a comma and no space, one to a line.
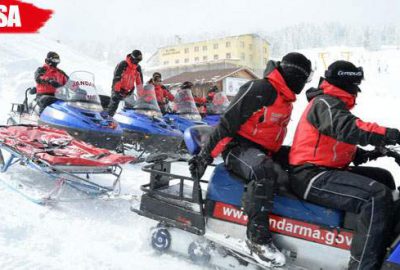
(204,220)
(77,110)
(61,158)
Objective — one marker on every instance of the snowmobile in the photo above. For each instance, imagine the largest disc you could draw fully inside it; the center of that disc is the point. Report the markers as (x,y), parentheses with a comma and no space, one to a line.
(204,219)
(143,125)
(77,110)
(63,159)
(215,108)
(184,113)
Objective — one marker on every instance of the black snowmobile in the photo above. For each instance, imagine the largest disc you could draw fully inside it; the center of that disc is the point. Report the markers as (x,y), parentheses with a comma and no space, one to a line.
(204,220)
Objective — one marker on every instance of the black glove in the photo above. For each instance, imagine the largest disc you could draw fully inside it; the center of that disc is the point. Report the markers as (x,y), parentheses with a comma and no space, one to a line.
(198,165)
(54,83)
(363,156)
(392,136)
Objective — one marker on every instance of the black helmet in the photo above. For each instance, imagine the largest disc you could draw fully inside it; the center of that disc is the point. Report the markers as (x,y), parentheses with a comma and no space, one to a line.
(156,76)
(186,85)
(345,75)
(52,59)
(296,70)
(136,56)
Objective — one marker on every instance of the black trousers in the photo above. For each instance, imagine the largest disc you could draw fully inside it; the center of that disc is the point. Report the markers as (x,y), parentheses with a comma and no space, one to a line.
(44,100)
(260,173)
(372,201)
(114,103)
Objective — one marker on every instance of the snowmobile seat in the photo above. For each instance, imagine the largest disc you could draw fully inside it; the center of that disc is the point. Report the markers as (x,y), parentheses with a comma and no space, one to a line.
(227,188)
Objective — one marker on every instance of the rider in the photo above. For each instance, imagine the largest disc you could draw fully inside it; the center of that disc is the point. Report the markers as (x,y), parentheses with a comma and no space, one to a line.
(126,75)
(324,145)
(162,94)
(249,133)
(48,79)
(211,93)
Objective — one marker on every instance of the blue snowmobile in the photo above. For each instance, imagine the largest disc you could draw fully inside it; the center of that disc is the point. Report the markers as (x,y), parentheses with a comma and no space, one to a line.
(215,108)
(204,219)
(184,113)
(77,110)
(143,125)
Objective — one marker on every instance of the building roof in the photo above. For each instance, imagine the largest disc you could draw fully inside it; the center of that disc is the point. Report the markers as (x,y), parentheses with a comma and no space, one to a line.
(205,76)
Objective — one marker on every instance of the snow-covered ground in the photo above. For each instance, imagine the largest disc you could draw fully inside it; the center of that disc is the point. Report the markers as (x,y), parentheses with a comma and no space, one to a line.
(97,234)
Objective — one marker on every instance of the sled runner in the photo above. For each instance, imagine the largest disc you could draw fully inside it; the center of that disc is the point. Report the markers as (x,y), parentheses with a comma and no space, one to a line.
(60,157)
(204,219)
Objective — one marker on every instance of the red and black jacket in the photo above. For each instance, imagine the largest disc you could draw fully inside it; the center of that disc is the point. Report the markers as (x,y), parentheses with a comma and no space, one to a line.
(46,73)
(328,133)
(162,94)
(259,114)
(126,75)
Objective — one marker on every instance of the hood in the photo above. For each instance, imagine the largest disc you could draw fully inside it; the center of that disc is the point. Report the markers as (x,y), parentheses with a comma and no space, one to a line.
(275,78)
(325,88)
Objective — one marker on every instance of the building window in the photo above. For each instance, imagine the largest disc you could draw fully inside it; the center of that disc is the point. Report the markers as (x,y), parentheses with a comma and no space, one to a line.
(186,50)
(228,56)
(228,44)
(251,57)
(186,60)
(196,59)
(265,61)
(242,56)
(215,56)
(241,44)
(215,46)
(265,50)
(196,49)
(204,48)
(166,62)
(177,61)
(204,58)
(250,46)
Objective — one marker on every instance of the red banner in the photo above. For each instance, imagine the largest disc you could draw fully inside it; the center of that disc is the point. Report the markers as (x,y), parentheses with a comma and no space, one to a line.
(20,17)
(290,227)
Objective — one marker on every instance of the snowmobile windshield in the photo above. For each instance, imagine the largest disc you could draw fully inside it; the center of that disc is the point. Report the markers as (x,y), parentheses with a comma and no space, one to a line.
(145,101)
(219,104)
(80,91)
(185,106)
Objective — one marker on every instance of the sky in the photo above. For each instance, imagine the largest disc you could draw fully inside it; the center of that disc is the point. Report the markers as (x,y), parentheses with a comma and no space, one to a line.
(102,20)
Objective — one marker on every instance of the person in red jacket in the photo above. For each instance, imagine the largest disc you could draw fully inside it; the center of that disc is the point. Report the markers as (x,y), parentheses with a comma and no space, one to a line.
(48,78)
(325,143)
(249,135)
(162,94)
(127,75)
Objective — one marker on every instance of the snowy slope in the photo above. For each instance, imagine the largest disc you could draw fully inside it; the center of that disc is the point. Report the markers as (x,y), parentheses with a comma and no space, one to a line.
(105,234)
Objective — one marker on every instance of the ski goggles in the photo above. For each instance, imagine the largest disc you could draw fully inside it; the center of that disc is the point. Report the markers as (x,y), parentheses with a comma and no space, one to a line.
(54,60)
(308,75)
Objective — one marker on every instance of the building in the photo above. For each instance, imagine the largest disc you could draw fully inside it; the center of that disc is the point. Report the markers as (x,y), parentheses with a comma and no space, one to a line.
(250,51)
(229,80)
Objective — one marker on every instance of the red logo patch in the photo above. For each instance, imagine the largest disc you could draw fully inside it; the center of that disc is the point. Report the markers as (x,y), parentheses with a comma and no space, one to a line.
(20,17)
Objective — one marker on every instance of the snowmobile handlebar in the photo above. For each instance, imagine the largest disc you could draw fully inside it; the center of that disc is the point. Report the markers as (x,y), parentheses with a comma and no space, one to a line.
(392,152)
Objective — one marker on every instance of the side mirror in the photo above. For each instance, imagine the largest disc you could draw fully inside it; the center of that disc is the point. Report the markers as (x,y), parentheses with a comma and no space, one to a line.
(32,90)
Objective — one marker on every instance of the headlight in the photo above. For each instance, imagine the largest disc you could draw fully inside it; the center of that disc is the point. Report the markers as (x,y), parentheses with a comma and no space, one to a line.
(86,106)
(189,116)
(149,113)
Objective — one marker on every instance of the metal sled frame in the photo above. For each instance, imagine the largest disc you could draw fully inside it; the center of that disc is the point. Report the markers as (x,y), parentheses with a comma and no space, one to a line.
(64,174)
(190,209)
